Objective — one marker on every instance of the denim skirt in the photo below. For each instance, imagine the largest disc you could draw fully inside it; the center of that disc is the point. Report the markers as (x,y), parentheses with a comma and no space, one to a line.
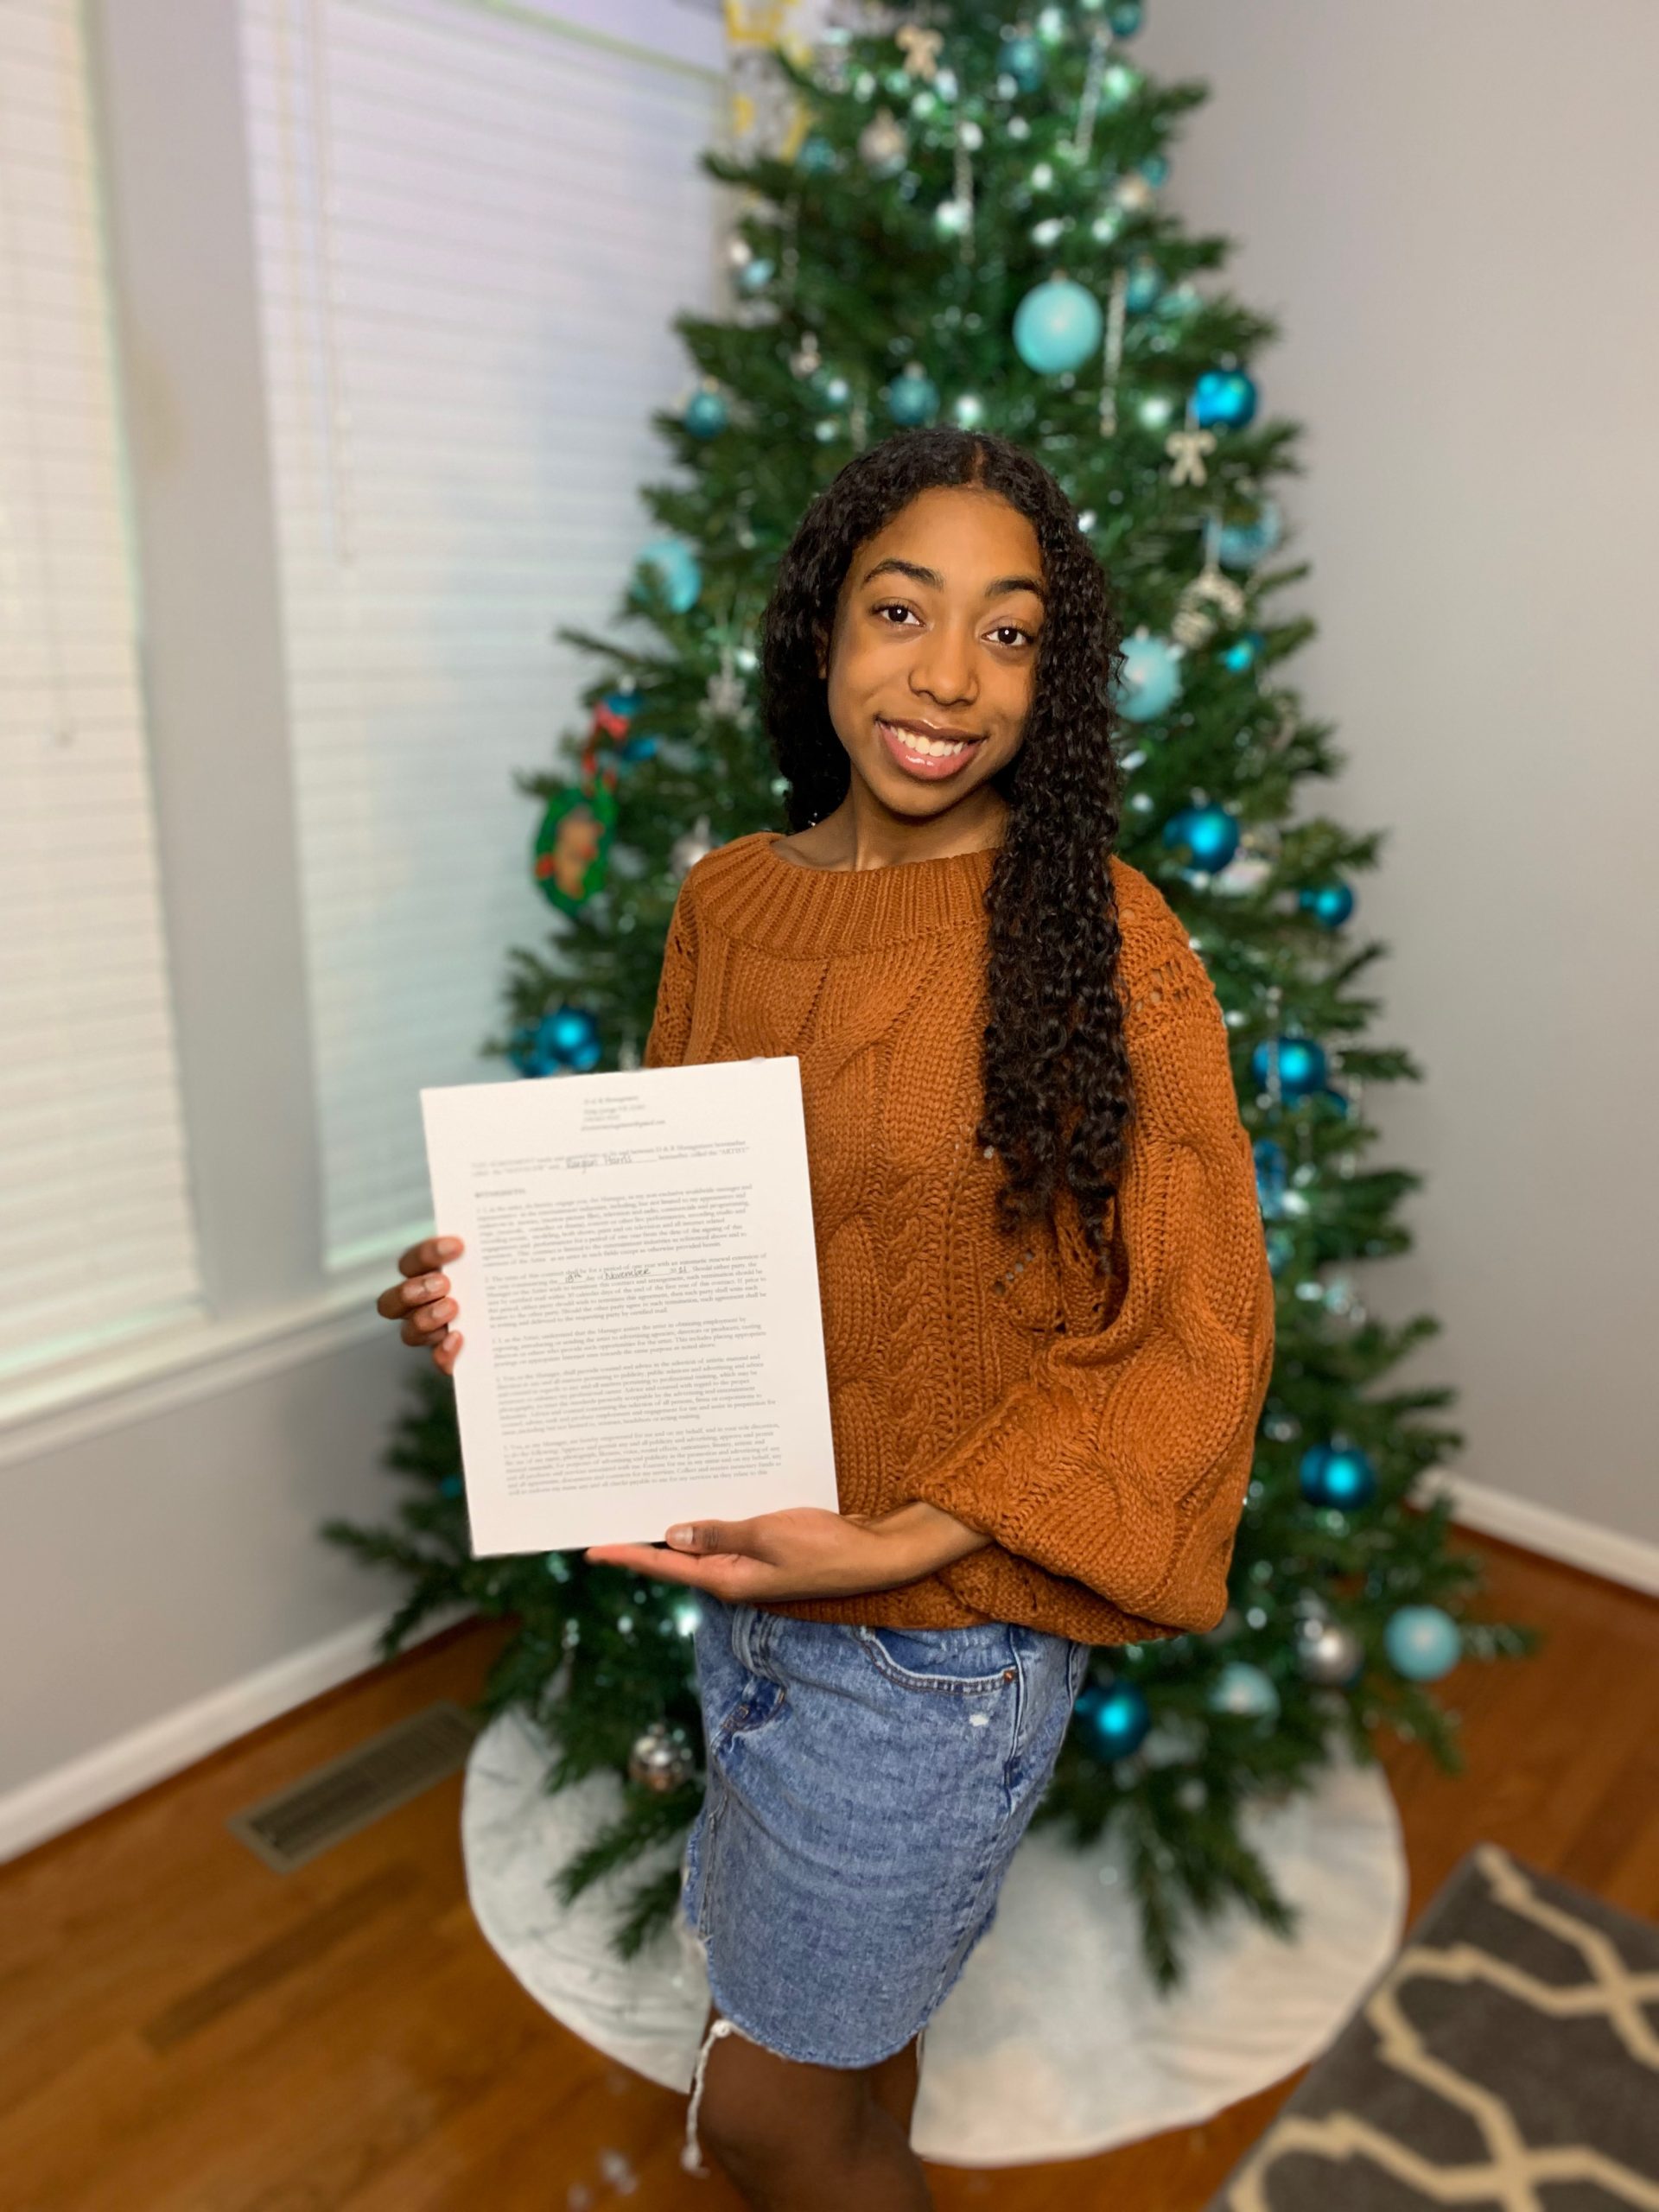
(866,1789)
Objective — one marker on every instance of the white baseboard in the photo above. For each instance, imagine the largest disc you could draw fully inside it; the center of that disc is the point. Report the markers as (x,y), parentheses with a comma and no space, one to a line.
(1631,1560)
(103,1777)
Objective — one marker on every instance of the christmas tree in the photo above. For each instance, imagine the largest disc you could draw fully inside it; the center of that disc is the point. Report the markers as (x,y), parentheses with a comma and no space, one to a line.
(958,218)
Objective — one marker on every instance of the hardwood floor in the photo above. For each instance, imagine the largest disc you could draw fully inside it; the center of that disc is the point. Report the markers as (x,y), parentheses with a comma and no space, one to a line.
(183,2031)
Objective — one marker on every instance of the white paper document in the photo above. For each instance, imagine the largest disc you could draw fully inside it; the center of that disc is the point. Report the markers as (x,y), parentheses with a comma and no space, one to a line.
(638,1301)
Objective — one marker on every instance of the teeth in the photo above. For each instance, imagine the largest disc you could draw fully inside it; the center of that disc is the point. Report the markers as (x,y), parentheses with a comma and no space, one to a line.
(933,749)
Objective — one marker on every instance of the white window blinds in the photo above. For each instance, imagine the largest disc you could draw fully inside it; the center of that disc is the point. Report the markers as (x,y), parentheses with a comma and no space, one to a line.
(95,1217)
(473,228)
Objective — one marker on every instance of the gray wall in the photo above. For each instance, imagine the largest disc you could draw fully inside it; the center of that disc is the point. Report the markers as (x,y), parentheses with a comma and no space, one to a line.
(1448,208)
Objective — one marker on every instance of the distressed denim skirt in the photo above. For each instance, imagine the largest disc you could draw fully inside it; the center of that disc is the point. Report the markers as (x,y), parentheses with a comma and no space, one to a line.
(866,1789)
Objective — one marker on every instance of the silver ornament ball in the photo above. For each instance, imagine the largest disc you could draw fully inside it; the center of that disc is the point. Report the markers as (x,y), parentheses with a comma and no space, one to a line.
(661,1759)
(1329,1652)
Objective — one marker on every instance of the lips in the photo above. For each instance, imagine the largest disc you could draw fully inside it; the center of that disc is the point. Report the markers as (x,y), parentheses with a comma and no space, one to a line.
(924,750)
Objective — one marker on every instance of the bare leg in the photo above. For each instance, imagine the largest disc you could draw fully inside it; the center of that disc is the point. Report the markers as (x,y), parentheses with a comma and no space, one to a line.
(795,2138)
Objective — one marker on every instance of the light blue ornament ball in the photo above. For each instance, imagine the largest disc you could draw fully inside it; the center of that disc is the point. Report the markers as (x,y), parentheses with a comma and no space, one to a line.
(1151,681)
(1208,834)
(816,157)
(1224,398)
(1146,282)
(569,1037)
(1024,59)
(675,565)
(913,397)
(1124,16)
(1057,327)
(1330,904)
(1244,1691)
(1155,169)
(706,414)
(1116,1720)
(1302,1066)
(1241,545)
(1244,652)
(1422,1643)
(755,276)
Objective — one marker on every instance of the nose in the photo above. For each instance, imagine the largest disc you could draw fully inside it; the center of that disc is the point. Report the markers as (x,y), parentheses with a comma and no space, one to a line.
(942,666)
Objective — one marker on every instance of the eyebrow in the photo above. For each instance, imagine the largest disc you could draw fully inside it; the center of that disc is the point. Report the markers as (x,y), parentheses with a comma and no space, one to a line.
(932,577)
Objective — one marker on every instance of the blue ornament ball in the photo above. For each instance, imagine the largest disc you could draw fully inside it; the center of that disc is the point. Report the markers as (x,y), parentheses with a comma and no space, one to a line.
(1209,834)
(1146,282)
(1422,1643)
(623,702)
(1155,169)
(1338,1475)
(1243,652)
(1302,1066)
(675,565)
(755,276)
(1281,1250)
(635,749)
(1124,16)
(1241,545)
(1272,1174)
(1057,327)
(816,157)
(706,414)
(1151,681)
(1116,1720)
(1224,398)
(1245,1691)
(565,1041)
(1330,904)
(912,398)
(1023,60)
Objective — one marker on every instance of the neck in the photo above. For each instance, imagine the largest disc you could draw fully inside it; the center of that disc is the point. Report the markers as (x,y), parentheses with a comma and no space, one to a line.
(864,833)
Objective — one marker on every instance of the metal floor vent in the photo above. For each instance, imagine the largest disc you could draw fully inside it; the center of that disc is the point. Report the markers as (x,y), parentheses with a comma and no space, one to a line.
(333,1802)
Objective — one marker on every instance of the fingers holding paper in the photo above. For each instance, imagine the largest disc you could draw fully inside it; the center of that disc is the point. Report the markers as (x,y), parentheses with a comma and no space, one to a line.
(802,1552)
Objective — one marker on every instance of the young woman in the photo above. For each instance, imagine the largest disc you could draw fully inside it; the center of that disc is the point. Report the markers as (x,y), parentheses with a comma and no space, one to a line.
(1048,1316)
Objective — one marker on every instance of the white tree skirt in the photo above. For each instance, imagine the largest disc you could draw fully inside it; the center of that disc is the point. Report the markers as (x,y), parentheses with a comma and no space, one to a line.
(1053,2043)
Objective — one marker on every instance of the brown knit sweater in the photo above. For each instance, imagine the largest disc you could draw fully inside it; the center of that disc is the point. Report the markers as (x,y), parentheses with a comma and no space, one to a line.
(1100,1432)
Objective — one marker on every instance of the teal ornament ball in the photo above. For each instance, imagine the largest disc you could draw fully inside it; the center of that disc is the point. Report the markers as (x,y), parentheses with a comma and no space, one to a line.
(564,1042)
(912,398)
(1145,282)
(755,276)
(1057,327)
(1300,1061)
(1116,1720)
(1155,169)
(1024,61)
(1241,545)
(451,1486)
(1330,904)
(674,565)
(1125,18)
(816,158)
(1337,1474)
(1281,1250)
(1243,652)
(1245,1692)
(1272,1176)
(1224,399)
(623,703)
(706,414)
(636,749)
(1422,1643)
(1151,681)
(1208,835)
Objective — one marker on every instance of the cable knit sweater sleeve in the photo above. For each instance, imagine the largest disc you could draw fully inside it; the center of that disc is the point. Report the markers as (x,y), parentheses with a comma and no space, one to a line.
(671,1026)
(1122,1462)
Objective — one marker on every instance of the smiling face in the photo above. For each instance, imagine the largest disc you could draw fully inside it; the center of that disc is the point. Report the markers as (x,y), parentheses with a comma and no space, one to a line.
(932,660)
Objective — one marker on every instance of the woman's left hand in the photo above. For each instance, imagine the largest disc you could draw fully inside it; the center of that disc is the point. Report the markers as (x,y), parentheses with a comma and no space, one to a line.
(802,1552)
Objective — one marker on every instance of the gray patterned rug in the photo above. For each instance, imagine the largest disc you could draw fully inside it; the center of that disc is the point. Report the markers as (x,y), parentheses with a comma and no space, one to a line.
(1507,2061)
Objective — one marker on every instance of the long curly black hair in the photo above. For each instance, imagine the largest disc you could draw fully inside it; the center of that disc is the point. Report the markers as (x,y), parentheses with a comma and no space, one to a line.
(1058,1095)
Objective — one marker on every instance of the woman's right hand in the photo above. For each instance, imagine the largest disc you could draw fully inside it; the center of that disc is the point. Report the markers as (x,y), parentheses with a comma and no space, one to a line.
(421,1301)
